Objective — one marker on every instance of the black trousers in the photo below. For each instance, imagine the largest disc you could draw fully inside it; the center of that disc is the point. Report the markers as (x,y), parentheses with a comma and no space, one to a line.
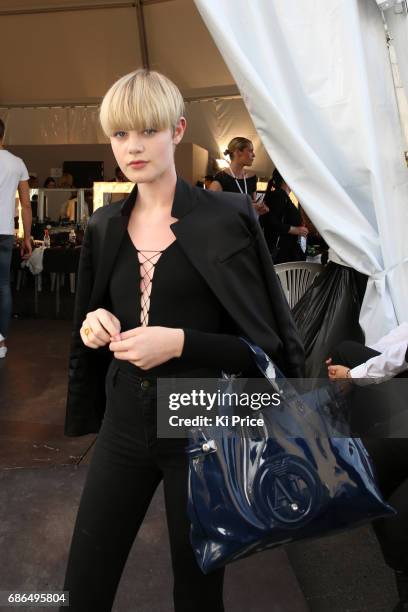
(127,465)
(389,455)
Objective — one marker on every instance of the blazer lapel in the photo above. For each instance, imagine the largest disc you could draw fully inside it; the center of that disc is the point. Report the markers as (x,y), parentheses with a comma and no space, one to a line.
(187,229)
(115,230)
(195,238)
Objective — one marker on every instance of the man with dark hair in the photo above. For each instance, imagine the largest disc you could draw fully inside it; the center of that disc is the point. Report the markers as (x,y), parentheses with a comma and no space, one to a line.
(13,176)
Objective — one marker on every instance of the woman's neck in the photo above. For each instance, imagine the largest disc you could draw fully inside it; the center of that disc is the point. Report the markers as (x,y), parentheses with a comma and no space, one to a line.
(237,169)
(159,194)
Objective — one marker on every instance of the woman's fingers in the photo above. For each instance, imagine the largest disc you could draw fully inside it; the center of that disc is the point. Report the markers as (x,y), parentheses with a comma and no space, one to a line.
(122,345)
(98,328)
(108,321)
(126,340)
(122,355)
(98,333)
(131,333)
(336,372)
(87,336)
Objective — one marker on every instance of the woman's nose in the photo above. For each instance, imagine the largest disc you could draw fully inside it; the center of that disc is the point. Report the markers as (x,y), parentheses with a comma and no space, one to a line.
(135,145)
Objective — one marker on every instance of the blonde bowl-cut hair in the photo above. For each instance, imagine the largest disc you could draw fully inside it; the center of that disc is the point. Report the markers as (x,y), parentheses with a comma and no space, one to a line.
(140,100)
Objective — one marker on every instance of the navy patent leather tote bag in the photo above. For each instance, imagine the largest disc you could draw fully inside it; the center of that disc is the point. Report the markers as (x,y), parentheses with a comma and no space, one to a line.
(250,490)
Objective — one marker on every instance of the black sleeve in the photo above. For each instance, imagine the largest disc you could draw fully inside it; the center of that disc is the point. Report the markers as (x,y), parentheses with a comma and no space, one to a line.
(294,354)
(220,178)
(276,220)
(224,351)
(273,225)
(293,215)
(252,183)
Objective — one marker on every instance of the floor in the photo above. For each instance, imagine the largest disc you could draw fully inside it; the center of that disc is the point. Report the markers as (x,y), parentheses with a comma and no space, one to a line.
(42,475)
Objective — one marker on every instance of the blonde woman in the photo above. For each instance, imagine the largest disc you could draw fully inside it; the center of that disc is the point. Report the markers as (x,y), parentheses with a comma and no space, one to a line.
(235,178)
(161,292)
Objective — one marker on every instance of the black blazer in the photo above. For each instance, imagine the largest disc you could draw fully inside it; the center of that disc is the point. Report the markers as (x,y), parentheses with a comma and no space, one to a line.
(221,237)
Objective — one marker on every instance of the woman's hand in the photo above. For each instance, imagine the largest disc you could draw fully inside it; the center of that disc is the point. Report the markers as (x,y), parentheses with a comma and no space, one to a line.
(260,208)
(148,347)
(298,230)
(98,328)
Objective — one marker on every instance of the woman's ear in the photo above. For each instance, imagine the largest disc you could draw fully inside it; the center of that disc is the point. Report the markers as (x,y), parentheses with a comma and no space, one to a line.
(179,130)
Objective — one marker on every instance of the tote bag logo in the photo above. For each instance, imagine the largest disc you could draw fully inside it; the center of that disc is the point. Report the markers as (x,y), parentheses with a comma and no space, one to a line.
(287,491)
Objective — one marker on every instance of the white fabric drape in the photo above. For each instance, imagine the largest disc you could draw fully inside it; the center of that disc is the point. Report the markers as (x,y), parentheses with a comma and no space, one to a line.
(397,24)
(316,79)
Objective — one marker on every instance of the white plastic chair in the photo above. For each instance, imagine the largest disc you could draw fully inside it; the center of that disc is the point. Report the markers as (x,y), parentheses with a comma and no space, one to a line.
(296,277)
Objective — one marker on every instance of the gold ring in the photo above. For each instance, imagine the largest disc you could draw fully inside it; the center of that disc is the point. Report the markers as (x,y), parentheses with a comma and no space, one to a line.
(87,331)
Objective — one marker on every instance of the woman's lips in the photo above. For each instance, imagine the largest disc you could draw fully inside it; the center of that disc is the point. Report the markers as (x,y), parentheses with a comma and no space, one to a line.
(138,164)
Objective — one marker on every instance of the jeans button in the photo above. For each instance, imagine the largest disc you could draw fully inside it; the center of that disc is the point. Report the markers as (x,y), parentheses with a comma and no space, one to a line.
(145,384)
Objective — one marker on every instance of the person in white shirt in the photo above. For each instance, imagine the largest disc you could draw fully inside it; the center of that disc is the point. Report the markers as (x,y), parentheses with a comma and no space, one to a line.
(13,177)
(374,364)
(365,367)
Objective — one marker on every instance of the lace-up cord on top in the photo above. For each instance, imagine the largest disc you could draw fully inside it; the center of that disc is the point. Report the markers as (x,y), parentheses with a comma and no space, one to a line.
(148,261)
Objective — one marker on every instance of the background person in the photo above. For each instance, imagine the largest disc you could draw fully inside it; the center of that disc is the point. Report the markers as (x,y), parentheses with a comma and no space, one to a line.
(235,178)
(368,366)
(282,223)
(50,183)
(143,311)
(13,176)
(208,179)
(119,176)
(33,180)
(66,181)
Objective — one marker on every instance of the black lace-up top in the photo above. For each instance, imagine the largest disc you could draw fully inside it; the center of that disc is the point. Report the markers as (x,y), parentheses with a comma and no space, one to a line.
(163,288)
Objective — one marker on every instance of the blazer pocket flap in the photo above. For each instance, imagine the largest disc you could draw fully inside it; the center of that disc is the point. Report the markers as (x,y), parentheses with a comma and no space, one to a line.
(234,250)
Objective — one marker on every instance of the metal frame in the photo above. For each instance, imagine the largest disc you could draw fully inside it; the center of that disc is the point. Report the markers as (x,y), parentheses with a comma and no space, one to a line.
(79,7)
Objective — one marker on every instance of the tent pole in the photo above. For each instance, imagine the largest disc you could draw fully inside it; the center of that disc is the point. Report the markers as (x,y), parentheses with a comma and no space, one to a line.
(85,6)
(142,34)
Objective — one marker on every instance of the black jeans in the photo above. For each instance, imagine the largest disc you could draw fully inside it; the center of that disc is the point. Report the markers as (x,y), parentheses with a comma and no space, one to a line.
(127,465)
(389,455)
(6,251)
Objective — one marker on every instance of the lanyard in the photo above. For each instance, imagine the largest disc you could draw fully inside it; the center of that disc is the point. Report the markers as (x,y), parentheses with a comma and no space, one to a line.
(237,182)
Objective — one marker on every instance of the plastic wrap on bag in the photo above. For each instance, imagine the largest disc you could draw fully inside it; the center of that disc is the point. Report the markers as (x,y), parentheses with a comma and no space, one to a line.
(328,313)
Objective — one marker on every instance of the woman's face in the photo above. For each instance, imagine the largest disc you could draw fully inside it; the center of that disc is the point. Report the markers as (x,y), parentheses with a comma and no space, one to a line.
(145,156)
(246,156)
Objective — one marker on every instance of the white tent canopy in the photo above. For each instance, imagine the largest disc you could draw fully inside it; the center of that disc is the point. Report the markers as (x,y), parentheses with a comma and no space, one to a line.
(68,55)
(62,55)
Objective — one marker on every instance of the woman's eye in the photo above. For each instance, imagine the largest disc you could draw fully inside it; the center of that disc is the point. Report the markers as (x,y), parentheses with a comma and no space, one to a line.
(149,131)
(119,134)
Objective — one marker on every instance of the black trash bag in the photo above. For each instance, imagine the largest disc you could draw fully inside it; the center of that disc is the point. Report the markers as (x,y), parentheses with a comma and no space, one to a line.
(328,313)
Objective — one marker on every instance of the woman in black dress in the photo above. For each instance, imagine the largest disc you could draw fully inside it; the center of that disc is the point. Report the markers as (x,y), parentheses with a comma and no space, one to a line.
(282,223)
(235,178)
(161,293)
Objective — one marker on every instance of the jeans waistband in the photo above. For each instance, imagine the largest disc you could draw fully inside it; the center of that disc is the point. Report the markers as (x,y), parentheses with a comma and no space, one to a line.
(132,372)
